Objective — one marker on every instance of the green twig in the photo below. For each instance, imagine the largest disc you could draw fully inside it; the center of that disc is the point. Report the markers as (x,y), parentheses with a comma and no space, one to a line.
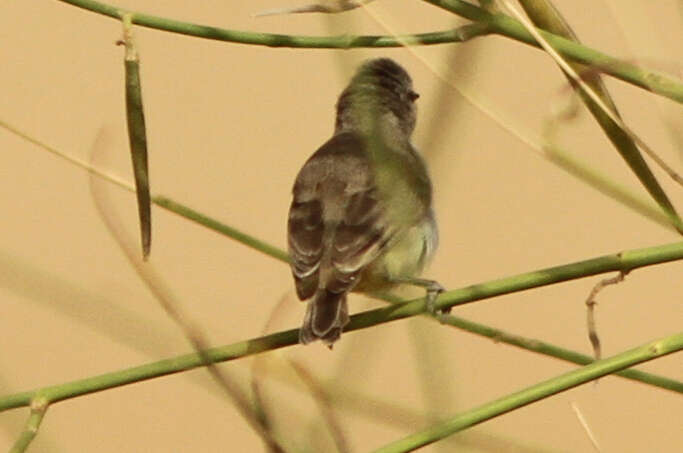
(661,84)
(212,224)
(551,350)
(38,408)
(609,263)
(280,40)
(174,310)
(644,353)
(542,347)
(607,186)
(159,200)
(597,99)
(623,261)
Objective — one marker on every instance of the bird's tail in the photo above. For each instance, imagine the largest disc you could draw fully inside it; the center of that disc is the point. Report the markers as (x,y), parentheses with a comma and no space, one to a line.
(326,316)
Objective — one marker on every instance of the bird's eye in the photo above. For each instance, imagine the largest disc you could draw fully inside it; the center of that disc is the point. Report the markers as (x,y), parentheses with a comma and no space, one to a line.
(413,96)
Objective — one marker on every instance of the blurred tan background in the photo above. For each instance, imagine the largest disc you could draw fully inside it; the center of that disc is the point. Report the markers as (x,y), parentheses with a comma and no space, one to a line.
(229,126)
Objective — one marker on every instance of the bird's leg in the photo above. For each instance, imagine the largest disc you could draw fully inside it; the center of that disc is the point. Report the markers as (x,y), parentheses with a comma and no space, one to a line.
(433,289)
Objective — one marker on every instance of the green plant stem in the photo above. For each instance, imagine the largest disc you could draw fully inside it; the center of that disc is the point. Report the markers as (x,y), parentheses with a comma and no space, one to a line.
(592,177)
(551,350)
(501,24)
(604,264)
(212,224)
(35,418)
(278,40)
(544,15)
(624,261)
(172,307)
(644,353)
(542,347)
(662,84)
(161,201)
(608,187)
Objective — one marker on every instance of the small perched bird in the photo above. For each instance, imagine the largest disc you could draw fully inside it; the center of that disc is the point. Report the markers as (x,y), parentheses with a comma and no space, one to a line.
(361,218)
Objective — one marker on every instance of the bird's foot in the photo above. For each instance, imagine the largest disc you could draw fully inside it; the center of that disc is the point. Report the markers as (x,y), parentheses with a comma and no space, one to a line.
(433,291)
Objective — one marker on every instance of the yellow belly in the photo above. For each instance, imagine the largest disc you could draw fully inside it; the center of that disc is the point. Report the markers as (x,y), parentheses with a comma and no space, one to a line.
(406,257)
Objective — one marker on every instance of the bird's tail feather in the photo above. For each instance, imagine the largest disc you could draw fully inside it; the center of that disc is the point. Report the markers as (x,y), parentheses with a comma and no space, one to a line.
(326,316)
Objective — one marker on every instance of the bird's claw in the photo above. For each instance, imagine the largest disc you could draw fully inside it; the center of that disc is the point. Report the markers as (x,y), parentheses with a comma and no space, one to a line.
(433,291)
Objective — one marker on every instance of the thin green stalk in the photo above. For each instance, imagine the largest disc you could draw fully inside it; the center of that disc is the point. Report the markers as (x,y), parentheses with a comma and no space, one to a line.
(544,15)
(603,184)
(159,200)
(212,224)
(555,155)
(624,261)
(35,418)
(661,84)
(542,347)
(174,310)
(644,353)
(279,254)
(558,352)
(278,40)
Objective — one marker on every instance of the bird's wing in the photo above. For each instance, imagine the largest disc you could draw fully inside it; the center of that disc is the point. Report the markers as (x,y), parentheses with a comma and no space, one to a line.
(360,237)
(305,239)
(335,223)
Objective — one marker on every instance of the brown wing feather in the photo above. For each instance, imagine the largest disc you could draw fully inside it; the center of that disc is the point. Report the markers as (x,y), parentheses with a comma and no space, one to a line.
(335,223)
(359,238)
(305,236)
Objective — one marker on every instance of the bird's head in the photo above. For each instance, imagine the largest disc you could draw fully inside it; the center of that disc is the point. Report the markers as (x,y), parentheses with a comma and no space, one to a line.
(380,95)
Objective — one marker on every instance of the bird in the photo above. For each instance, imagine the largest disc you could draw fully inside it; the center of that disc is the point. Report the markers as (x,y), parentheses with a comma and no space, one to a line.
(361,217)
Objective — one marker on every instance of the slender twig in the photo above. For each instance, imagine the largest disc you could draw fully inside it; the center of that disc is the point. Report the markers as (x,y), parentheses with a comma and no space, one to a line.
(661,84)
(539,346)
(213,224)
(627,260)
(551,350)
(632,157)
(38,408)
(586,427)
(117,181)
(159,200)
(644,353)
(174,309)
(590,311)
(600,182)
(327,7)
(623,139)
(270,250)
(273,39)
(591,176)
